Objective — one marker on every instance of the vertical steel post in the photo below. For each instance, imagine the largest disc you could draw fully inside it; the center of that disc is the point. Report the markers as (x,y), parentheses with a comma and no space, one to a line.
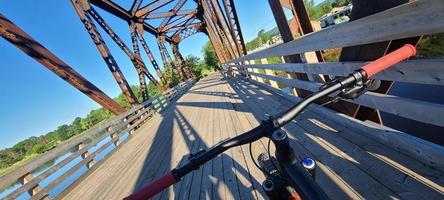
(80,7)
(142,81)
(287,36)
(185,67)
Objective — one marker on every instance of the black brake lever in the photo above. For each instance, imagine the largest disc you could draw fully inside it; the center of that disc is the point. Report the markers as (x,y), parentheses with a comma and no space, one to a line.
(355,91)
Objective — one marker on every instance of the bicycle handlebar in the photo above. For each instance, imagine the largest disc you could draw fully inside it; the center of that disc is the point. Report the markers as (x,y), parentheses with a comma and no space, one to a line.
(269,126)
(155,187)
(388,60)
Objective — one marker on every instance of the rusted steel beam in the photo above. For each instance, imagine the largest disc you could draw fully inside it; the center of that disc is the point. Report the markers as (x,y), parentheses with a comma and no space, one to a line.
(187,32)
(301,15)
(121,13)
(38,52)
(178,22)
(166,58)
(233,20)
(218,34)
(171,14)
(222,24)
(185,68)
(287,36)
(220,52)
(137,61)
(149,53)
(135,6)
(216,24)
(188,25)
(142,12)
(176,8)
(103,50)
(141,75)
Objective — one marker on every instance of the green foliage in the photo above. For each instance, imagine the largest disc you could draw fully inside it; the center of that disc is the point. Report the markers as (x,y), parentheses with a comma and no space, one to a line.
(262,38)
(210,58)
(326,8)
(38,145)
(274,60)
(316,11)
(199,68)
(431,46)
(195,64)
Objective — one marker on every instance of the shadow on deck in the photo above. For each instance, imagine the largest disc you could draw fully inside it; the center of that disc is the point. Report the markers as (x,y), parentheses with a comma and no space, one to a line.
(351,166)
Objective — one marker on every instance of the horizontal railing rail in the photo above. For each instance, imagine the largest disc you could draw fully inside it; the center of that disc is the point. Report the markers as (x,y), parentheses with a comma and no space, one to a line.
(412,19)
(404,107)
(420,17)
(80,146)
(427,71)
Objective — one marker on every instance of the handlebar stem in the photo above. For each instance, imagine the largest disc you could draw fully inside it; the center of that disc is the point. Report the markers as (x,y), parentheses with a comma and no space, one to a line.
(291,168)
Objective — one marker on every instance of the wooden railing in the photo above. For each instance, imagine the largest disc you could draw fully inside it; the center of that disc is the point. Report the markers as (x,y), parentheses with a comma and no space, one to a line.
(416,18)
(111,133)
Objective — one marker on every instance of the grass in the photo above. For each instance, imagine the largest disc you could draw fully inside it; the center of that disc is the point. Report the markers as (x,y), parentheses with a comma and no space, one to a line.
(18,164)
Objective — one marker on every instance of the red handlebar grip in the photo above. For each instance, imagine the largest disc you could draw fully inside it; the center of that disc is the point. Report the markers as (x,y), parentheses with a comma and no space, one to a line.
(388,60)
(155,187)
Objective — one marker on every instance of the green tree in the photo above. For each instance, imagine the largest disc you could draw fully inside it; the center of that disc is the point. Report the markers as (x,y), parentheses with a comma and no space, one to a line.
(195,64)
(326,8)
(210,58)
(342,2)
(38,149)
(263,37)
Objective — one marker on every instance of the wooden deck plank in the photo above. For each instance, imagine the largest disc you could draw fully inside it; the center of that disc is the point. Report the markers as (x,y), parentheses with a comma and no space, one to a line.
(217,108)
(202,135)
(386,174)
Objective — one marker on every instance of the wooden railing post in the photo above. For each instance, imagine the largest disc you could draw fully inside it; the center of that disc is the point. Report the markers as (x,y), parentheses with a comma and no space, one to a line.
(114,136)
(25,179)
(269,72)
(84,155)
(251,62)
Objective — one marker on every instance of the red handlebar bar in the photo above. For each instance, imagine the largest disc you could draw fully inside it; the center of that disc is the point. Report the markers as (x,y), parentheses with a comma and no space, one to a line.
(388,60)
(155,187)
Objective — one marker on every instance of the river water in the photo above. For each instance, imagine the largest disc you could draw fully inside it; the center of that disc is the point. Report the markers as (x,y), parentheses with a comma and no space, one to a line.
(68,181)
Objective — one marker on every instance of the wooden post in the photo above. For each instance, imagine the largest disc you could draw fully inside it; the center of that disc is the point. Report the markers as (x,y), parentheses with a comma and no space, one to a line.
(270,72)
(25,179)
(115,137)
(251,62)
(287,36)
(301,24)
(86,154)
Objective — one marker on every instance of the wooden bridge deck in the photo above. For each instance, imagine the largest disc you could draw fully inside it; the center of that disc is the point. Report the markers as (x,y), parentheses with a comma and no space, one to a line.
(351,166)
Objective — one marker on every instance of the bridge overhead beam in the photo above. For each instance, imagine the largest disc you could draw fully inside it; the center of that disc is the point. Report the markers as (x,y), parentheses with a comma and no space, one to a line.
(34,49)
(82,9)
(221,23)
(121,13)
(234,25)
(141,75)
(303,20)
(139,33)
(216,34)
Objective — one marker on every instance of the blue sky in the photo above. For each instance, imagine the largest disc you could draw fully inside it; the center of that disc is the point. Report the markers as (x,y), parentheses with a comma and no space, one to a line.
(34,100)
